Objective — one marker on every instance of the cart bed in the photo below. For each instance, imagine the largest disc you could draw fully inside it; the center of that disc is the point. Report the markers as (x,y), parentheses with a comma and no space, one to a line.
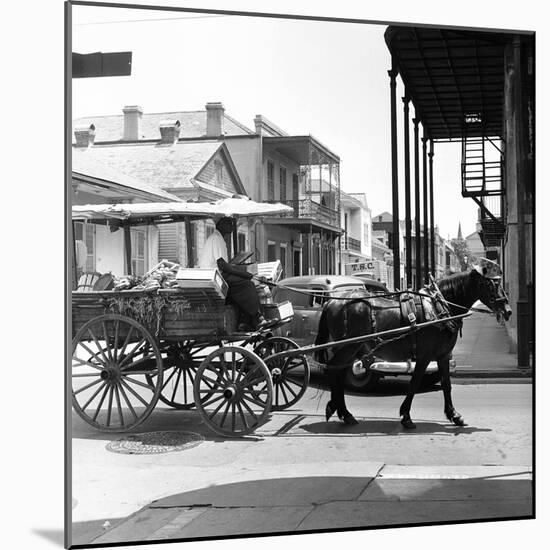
(169,314)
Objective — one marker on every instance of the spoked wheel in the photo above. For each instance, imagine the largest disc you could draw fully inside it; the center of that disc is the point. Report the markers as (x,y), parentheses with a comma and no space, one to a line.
(116,373)
(290,375)
(180,369)
(233,391)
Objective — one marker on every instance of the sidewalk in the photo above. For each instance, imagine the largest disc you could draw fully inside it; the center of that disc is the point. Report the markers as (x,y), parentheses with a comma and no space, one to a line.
(484,350)
(376,495)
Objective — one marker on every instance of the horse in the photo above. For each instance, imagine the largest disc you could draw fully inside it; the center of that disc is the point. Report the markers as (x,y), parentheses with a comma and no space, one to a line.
(356,313)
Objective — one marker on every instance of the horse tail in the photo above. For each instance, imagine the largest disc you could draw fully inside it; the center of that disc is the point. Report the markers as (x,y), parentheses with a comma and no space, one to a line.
(322,338)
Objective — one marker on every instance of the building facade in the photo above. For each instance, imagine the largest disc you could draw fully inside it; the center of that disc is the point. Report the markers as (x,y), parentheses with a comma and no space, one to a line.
(206,155)
(356,224)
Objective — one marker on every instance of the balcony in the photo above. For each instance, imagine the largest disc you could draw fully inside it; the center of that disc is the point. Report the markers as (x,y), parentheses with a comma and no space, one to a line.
(349,243)
(309,209)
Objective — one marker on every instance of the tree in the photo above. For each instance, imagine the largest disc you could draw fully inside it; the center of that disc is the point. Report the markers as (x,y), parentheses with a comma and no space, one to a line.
(463,254)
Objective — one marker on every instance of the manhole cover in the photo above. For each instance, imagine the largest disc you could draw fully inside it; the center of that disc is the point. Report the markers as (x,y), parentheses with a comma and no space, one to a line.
(155,443)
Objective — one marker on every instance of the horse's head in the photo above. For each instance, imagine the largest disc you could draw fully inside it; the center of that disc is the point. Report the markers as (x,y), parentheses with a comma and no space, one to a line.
(493,296)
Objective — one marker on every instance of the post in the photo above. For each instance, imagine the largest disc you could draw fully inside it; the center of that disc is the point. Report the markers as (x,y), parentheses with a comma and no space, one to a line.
(425,204)
(394,177)
(520,122)
(417,204)
(408,239)
(189,242)
(235,239)
(432,223)
(73,250)
(128,249)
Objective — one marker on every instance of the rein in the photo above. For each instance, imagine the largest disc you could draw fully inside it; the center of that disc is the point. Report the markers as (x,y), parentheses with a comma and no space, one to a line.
(326,294)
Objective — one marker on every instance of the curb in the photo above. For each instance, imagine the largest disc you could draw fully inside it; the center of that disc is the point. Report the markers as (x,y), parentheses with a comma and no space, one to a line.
(466,372)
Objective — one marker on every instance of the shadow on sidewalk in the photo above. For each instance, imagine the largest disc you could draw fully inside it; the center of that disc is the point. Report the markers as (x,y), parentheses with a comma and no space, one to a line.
(289,505)
(377,427)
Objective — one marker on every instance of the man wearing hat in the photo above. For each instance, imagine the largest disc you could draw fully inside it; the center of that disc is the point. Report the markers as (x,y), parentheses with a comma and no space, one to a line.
(242,290)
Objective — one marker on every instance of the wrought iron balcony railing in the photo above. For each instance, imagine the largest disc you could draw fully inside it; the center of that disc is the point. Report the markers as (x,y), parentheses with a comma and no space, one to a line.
(352,244)
(307,208)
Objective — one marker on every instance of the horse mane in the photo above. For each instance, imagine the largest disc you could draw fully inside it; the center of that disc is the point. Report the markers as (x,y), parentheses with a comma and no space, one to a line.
(456,287)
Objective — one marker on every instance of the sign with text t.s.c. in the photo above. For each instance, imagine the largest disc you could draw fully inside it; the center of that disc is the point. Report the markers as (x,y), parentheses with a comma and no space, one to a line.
(102,64)
(361,266)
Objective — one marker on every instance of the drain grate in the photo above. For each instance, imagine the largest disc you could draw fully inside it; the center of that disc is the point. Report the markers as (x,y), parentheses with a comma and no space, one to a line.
(155,443)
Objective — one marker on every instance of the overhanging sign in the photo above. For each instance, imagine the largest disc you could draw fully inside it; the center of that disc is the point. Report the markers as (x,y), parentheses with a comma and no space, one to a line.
(361,266)
(102,64)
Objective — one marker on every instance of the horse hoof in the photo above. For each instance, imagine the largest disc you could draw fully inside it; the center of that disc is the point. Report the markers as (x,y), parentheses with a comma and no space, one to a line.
(349,419)
(458,421)
(330,409)
(408,423)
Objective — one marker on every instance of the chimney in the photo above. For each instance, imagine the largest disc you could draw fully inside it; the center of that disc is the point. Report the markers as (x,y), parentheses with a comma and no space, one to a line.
(132,122)
(258,124)
(169,131)
(214,119)
(84,135)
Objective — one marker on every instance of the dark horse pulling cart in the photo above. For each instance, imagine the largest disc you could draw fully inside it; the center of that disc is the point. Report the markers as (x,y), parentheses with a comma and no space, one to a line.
(132,348)
(346,321)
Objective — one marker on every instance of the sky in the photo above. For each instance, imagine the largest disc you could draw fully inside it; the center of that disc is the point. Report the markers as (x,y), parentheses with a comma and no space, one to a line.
(326,79)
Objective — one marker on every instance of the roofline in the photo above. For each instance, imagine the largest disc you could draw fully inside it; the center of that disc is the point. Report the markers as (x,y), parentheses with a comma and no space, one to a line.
(87,178)
(315,141)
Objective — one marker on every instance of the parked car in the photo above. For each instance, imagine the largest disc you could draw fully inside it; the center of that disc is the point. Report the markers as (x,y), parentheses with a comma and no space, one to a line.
(305,322)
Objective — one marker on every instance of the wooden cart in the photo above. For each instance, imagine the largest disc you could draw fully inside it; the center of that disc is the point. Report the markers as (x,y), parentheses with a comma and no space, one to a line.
(180,346)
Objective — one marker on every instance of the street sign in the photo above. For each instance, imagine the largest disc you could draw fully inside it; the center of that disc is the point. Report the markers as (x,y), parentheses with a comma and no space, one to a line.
(102,64)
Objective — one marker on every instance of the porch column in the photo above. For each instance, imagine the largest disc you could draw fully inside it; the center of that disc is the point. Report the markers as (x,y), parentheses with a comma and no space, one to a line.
(394,177)
(128,249)
(418,263)
(425,203)
(432,222)
(408,239)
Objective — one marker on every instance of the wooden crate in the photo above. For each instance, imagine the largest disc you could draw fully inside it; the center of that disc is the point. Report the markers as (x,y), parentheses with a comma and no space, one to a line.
(208,281)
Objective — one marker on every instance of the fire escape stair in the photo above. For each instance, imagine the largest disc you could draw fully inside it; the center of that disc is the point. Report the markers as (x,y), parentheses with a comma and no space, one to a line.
(482,182)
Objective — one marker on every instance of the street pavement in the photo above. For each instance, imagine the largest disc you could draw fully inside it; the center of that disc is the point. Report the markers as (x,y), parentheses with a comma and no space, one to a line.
(299,473)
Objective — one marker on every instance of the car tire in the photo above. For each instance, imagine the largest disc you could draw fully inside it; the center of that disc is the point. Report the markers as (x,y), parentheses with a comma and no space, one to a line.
(364,383)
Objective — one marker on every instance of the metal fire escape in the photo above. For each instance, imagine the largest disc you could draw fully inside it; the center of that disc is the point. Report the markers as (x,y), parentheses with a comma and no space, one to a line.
(482,173)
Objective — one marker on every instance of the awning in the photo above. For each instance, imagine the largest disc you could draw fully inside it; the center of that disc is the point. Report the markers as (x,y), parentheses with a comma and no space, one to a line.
(453,77)
(165,212)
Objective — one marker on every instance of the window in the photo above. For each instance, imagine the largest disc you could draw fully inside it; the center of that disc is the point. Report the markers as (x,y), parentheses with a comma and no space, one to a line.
(218,168)
(138,251)
(270,181)
(241,241)
(302,298)
(282,183)
(86,232)
(283,260)
(271,254)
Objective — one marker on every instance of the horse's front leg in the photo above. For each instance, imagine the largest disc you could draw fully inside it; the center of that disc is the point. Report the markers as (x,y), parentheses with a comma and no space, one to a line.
(450,412)
(414,384)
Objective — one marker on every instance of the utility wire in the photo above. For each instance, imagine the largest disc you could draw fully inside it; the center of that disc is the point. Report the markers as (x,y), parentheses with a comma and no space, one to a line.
(148,20)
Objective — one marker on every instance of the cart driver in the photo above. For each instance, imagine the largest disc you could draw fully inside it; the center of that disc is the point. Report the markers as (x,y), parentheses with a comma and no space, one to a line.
(242,290)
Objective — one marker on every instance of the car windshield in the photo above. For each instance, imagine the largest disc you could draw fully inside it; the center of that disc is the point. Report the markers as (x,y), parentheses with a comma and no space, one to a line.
(339,290)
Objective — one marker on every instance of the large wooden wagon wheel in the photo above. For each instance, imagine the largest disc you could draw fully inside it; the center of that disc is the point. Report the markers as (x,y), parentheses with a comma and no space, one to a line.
(290,375)
(116,373)
(181,364)
(238,391)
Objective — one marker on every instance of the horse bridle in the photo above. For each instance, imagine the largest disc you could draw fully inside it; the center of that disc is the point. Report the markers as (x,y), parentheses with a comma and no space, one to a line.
(496,301)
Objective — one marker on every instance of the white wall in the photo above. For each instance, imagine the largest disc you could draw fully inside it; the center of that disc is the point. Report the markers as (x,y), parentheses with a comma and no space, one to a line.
(109,250)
